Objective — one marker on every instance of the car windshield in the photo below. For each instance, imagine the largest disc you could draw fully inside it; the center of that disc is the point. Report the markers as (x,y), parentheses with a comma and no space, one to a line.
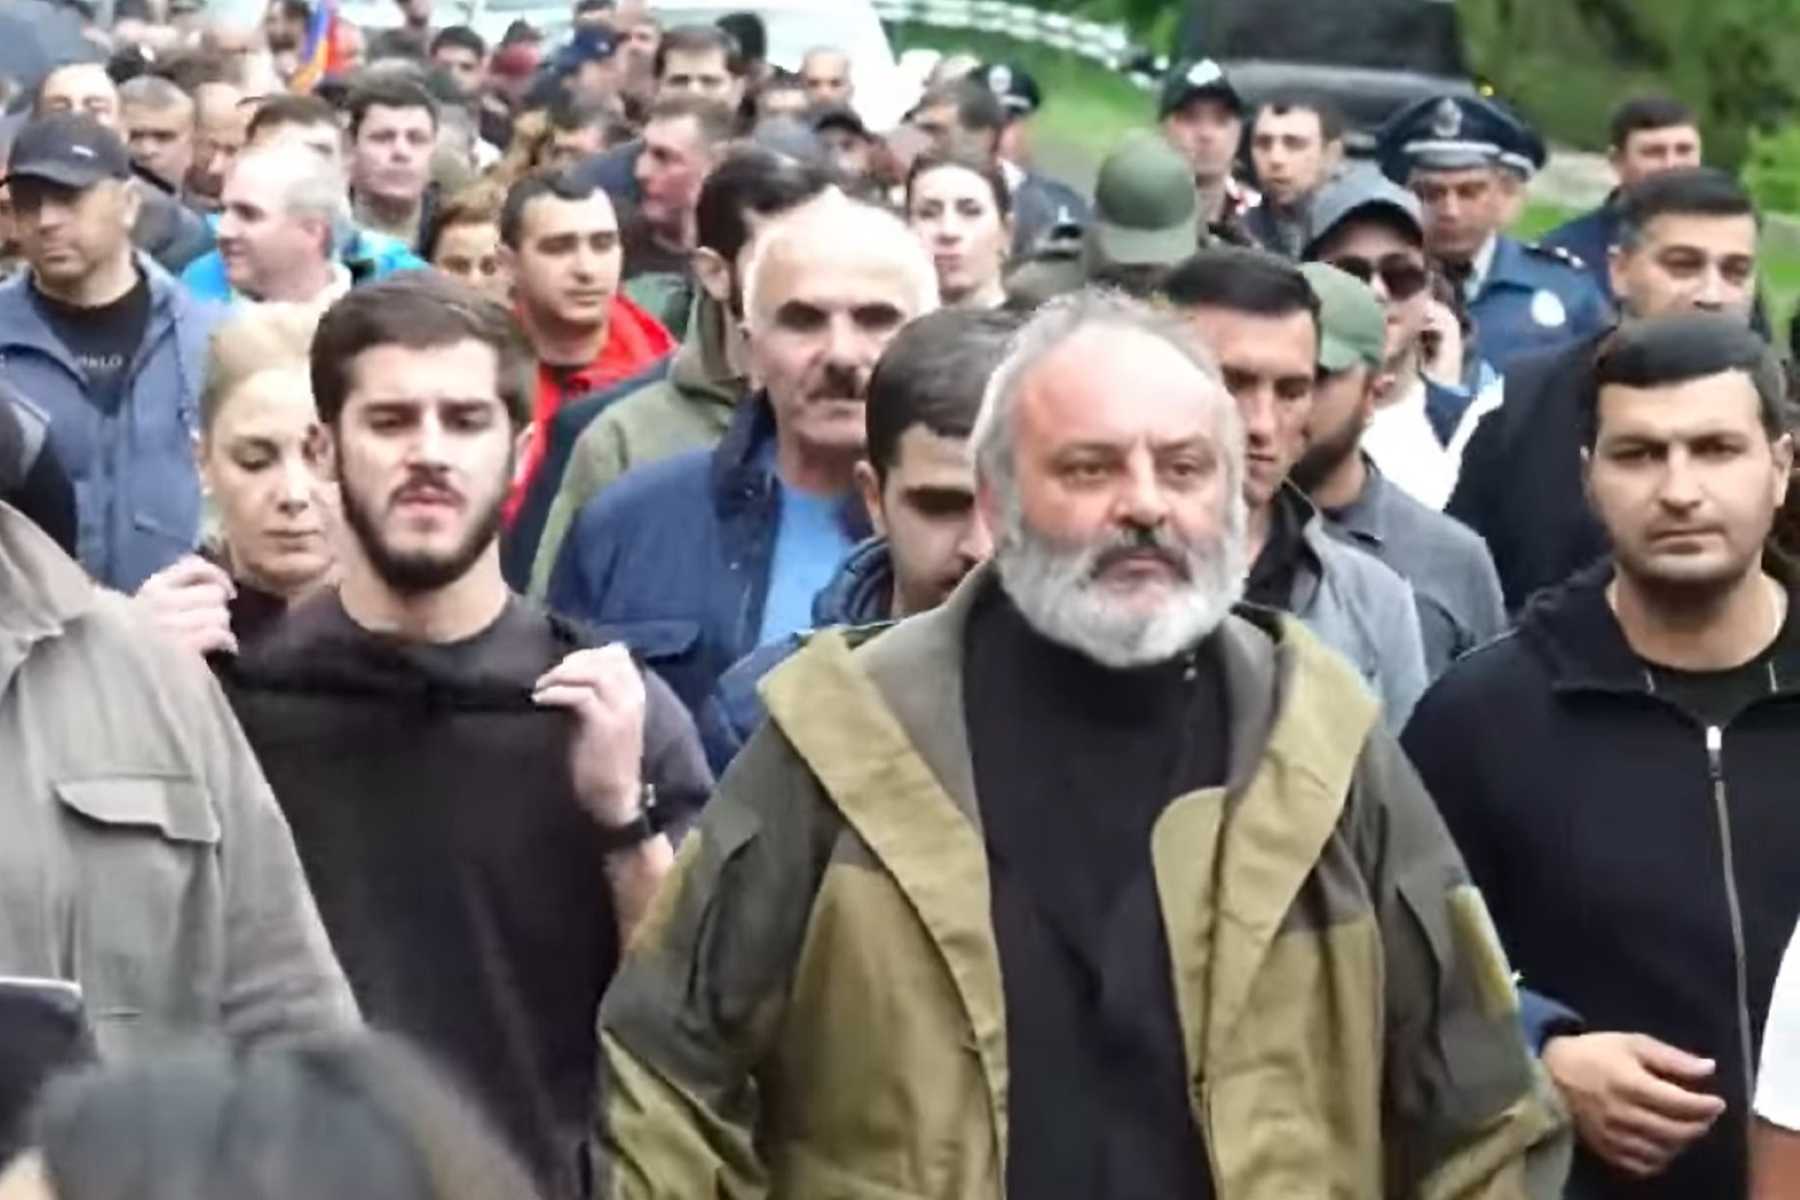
(1405,35)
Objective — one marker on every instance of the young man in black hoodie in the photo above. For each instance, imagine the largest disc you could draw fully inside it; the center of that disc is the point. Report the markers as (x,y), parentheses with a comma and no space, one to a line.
(473,787)
(1619,773)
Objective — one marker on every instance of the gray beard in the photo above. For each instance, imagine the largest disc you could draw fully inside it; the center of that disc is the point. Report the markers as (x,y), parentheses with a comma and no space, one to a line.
(1055,589)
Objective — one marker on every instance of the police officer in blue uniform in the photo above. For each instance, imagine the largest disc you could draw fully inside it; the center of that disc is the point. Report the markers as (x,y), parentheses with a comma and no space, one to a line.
(1452,151)
(1650,134)
(1042,207)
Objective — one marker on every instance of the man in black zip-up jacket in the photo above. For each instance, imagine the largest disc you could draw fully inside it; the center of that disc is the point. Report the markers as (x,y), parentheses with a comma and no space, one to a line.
(1619,772)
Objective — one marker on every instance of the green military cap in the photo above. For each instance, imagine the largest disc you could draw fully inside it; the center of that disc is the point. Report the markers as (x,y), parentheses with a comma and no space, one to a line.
(1146,208)
(1352,326)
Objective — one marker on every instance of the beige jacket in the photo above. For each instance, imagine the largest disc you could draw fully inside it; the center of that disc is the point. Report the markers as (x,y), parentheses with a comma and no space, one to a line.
(141,852)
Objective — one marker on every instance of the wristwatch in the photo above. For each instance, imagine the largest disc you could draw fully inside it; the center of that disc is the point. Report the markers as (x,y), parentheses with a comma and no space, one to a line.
(636,831)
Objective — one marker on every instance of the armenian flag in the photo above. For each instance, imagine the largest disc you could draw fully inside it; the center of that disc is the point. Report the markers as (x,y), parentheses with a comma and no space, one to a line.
(320,56)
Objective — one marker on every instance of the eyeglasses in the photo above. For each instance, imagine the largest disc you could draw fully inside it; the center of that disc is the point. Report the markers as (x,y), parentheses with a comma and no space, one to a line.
(1403,277)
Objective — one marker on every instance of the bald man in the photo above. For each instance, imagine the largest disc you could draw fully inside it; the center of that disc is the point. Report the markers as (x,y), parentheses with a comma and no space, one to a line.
(825,71)
(221,122)
(698,559)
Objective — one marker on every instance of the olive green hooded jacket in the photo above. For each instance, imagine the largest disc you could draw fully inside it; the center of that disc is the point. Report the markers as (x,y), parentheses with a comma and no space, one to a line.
(813,1008)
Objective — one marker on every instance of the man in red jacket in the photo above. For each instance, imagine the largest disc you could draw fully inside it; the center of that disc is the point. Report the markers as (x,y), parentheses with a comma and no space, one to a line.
(560,239)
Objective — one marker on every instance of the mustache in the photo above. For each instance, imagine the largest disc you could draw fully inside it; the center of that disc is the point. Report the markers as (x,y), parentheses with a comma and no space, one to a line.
(1140,542)
(427,487)
(838,382)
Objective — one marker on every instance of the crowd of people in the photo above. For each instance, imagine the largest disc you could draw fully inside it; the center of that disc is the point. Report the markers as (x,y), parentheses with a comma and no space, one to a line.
(577,621)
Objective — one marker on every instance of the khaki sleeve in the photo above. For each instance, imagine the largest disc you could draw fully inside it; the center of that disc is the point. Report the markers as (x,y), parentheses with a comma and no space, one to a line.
(689,1019)
(596,461)
(1469,1114)
(281,975)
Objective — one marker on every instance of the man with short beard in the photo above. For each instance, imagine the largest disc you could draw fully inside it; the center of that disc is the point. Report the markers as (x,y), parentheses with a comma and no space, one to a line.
(478,791)
(1367,226)
(1620,772)
(1260,317)
(1451,574)
(1077,885)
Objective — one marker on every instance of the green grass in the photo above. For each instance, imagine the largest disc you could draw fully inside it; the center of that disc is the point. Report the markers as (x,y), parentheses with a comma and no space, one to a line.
(1781,281)
(1539,219)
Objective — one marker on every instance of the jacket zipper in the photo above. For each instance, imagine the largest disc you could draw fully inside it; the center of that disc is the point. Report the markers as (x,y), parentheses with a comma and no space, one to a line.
(1715,767)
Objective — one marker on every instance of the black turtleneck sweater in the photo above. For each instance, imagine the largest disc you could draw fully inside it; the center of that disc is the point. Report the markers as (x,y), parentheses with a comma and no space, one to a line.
(1074,763)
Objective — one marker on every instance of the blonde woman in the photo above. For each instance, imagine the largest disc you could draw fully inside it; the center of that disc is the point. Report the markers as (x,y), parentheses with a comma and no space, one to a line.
(276,515)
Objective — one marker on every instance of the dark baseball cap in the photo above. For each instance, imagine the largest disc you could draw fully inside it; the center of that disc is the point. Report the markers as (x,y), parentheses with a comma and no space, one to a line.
(1364,190)
(1196,77)
(591,43)
(840,116)
(70,149)
(1016,90)
(1146,208)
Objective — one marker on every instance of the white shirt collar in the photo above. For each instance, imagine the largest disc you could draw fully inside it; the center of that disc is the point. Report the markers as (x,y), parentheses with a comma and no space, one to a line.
(1481,265)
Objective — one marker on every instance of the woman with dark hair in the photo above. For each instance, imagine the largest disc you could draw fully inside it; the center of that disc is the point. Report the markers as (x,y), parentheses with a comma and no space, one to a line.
(962,210)
(340,1118)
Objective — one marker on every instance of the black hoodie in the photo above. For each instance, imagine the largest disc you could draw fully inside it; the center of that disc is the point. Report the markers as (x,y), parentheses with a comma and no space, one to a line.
(458,878)
(1642,868)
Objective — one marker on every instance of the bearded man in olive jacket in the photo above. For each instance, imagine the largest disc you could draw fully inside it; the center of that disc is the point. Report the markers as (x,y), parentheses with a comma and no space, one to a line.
(1079,885)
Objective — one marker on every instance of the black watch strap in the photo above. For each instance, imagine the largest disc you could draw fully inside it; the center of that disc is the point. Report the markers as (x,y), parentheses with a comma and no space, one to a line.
(636,831)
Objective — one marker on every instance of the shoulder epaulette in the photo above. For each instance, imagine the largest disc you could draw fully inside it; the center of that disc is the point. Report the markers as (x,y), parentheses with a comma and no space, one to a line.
(1560,253)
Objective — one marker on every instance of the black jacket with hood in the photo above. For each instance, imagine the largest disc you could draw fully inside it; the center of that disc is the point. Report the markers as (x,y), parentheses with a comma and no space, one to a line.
(1643,867)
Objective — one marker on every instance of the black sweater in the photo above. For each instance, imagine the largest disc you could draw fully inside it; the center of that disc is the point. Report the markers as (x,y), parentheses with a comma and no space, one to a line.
(1074,763)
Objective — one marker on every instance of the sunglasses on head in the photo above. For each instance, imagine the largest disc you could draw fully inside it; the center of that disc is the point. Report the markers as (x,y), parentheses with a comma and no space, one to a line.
(1403,277)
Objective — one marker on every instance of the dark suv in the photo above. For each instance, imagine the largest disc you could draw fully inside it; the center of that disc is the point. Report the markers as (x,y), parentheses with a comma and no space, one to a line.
(1369,57)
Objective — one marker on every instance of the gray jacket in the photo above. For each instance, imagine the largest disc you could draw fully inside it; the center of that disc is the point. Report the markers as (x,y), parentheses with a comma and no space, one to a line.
(168,230)
(137,490)
(142,855)
(1365,612)
(1448,565)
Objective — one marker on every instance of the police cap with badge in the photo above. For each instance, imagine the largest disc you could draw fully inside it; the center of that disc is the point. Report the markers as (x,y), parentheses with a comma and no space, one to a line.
(1455,133)
(1531,297)
(1013,86)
